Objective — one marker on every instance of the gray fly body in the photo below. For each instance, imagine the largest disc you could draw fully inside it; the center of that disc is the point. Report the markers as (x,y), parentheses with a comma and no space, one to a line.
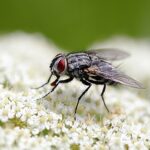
(90,67)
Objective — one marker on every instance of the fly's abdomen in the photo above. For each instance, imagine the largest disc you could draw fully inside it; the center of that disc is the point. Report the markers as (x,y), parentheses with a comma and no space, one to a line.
(78,61)
(99,80)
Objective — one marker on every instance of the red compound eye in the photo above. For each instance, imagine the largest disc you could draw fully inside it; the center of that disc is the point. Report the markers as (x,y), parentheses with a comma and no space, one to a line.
(61,65)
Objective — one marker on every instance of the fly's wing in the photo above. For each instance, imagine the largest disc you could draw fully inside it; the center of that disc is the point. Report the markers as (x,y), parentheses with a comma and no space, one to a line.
(125,79)
(108,54)
(109,72)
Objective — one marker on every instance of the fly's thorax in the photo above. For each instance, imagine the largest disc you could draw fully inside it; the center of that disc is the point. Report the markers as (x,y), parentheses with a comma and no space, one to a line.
(78,61)
(59,65)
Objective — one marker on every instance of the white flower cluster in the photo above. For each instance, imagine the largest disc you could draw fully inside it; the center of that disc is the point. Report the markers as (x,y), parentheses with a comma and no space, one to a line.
(27,123)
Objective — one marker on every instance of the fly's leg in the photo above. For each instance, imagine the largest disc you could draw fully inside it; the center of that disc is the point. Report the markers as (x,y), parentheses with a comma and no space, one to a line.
(89,85)
(61,81)
(44,83)
(102,96)
(57,83)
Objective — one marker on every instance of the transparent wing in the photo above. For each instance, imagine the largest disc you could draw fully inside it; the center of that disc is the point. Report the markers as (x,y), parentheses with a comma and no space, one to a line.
(109,53)
(109,72)
(124,79)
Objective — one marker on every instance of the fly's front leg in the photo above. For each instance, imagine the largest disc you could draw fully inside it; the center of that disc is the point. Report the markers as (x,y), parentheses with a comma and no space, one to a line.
(57,81)
(85,83)
(61,81)
(44,83)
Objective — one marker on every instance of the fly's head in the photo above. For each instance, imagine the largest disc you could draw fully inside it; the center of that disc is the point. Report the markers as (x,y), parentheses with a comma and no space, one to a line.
(58,65)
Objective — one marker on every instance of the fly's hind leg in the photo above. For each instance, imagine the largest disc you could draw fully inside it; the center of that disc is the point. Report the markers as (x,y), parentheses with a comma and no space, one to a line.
(103,91)
(102,96)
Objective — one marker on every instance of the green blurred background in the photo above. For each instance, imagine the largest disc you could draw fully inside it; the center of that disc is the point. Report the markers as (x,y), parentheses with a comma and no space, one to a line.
(75,24)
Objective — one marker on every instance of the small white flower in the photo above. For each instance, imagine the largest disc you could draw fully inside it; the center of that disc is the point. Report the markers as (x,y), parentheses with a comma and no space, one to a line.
(27,123)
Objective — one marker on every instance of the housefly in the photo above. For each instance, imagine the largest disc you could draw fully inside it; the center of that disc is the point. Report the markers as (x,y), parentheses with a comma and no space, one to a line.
(90,67)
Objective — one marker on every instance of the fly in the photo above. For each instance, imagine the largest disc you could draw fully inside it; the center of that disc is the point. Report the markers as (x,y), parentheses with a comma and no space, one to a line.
(90,67)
